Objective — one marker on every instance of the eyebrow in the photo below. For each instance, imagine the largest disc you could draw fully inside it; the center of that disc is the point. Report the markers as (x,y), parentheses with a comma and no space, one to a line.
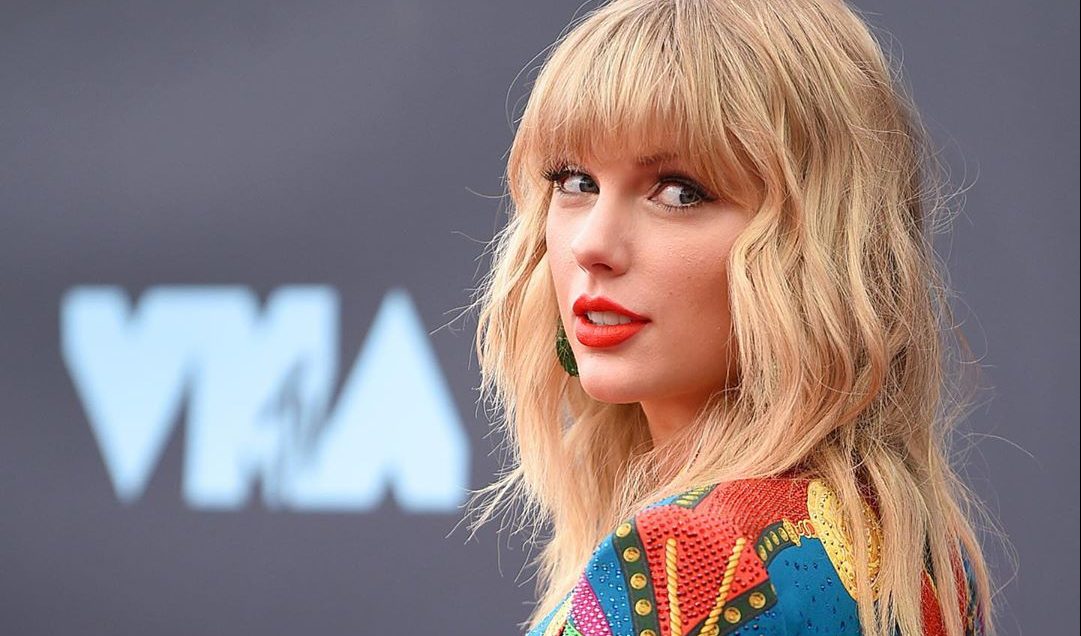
(649,160)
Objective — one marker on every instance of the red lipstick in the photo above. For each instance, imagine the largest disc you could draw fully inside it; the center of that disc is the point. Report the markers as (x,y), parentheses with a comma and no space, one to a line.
(595,335)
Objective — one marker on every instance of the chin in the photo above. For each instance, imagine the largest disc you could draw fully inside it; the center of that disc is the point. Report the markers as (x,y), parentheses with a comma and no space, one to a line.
(608,388)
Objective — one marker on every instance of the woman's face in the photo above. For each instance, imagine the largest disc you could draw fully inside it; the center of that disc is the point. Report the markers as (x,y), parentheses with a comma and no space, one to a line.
(610,235)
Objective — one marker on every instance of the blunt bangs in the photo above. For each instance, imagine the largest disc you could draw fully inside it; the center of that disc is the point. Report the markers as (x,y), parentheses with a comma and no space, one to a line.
(633,87)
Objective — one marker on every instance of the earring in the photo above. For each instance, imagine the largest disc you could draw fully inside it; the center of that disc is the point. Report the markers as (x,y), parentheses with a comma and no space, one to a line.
(564,351)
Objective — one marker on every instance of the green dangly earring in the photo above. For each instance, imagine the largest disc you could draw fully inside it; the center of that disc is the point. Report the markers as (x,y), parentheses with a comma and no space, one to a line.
(564,351)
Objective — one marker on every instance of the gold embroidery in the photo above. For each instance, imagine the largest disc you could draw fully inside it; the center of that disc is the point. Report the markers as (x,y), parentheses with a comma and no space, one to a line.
(824,508)
(757,600)
(675,619)
(792,531)
(711,626)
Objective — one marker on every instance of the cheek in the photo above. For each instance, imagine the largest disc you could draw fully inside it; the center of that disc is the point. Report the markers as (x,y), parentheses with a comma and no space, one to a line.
(554,249)
(704,300)
(695,281)
(560,261)
(695,277)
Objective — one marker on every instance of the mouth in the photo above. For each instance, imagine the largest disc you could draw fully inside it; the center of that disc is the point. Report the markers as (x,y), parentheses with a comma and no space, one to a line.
(602,322)
(610,318)
(605,311)
(601,336)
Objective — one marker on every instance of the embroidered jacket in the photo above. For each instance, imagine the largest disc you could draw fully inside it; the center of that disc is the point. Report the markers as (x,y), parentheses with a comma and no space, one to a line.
(763,557)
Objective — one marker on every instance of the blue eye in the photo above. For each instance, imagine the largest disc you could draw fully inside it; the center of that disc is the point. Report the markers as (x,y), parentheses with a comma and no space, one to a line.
(558,177)
(570,179)
(689,197)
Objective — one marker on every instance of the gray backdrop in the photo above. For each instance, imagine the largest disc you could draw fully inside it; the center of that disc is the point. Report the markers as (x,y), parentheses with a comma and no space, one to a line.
(231,231)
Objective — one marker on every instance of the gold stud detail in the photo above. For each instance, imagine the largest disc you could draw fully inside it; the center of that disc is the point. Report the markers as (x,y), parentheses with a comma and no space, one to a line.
(631,554)
(647,632)
(623,530)
(643,607)
(791,530)
(638,580)
(757,600)
(732,615)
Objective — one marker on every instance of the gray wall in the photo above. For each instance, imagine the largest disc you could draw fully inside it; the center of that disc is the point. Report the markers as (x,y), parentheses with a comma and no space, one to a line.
(281,204)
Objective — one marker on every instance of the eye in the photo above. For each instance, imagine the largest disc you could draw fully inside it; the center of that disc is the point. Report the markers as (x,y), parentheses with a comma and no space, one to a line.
(567,178)
(677,193)
(680,195)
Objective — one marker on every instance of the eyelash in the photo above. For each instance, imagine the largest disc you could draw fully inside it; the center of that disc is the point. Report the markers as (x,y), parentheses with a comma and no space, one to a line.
(557,174)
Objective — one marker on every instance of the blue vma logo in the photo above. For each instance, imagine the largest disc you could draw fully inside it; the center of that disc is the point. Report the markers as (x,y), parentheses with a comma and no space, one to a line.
(256,387)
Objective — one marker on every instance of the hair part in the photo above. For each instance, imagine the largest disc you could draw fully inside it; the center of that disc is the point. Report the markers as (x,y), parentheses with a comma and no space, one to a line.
(841,319)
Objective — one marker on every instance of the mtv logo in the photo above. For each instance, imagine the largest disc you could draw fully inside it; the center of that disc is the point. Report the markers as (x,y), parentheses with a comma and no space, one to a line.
(258,388)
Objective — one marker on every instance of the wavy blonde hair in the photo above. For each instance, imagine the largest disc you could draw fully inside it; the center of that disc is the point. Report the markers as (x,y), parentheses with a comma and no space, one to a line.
(840,318)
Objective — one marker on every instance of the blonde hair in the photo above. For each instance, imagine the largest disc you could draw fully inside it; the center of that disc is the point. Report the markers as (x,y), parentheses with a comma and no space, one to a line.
(840,317)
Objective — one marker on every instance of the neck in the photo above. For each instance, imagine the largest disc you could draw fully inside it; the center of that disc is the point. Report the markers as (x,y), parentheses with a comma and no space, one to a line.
(668,417)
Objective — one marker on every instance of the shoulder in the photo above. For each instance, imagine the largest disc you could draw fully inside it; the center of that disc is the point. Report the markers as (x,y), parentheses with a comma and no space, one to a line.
(692,562)
(768,556)
(747,557)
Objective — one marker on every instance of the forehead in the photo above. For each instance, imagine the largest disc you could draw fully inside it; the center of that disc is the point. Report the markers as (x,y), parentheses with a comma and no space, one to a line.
(641,142)
(638,159)
(629,94)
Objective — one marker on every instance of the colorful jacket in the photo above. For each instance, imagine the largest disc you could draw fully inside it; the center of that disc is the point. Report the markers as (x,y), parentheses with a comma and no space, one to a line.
(763,557)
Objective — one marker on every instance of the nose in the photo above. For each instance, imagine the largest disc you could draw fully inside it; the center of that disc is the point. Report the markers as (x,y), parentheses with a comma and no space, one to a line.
(601,241)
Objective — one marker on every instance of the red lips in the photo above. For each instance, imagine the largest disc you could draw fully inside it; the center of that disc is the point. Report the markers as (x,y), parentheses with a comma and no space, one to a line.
(600,303)
(593,335)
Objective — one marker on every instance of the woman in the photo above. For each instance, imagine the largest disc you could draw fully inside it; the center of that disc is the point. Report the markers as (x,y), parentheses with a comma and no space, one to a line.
(721,218)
